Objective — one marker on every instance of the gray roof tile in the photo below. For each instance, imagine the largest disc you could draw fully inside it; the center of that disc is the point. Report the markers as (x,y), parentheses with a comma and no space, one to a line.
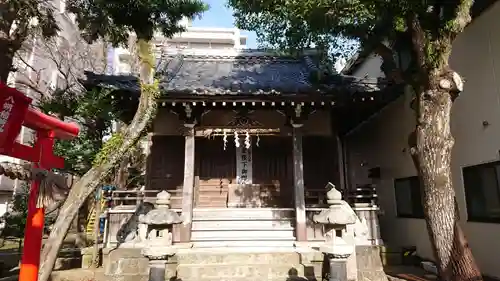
(241,73)
(233,75)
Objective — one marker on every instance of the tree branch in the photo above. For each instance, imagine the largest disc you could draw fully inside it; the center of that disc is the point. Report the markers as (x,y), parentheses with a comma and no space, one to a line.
(389,65)
(460,19)
(418,41)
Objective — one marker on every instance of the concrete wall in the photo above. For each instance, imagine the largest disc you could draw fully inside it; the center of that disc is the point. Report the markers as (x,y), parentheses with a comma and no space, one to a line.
(382,141)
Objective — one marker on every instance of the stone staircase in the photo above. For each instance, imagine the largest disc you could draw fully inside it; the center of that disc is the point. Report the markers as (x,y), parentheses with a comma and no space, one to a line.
(211,193)
(243,227)
(243,264)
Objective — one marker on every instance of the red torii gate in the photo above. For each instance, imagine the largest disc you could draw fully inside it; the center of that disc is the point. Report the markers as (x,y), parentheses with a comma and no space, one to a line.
(15,111)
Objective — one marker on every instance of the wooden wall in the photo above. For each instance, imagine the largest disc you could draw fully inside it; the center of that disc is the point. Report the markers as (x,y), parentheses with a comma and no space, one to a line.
(272,165)
(212,161)
(167,163)
(273,169)
(320,167)
(317,124)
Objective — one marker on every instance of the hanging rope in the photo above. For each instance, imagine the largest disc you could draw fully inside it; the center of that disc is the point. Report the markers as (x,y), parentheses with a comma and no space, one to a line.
(53,187)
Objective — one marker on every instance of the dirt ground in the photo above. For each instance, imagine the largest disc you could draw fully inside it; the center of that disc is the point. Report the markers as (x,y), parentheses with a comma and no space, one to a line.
(79,275)
(409,273)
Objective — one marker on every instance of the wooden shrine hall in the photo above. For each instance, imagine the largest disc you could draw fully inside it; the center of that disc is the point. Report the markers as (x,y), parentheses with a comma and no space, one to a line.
(248,130)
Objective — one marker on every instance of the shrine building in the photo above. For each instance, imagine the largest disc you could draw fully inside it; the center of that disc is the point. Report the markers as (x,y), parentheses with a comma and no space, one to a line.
(248,130)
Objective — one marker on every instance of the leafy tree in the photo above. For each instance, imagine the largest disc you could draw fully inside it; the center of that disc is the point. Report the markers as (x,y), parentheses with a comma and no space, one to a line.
(95,111)
(15,218)
(423,31)
(115,20)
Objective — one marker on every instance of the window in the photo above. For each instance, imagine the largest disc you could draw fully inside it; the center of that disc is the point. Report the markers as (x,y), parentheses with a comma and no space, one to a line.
(408,198)
(482,192)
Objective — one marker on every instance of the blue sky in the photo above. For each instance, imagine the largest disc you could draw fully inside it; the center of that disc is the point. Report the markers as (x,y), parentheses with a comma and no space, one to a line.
(221,16)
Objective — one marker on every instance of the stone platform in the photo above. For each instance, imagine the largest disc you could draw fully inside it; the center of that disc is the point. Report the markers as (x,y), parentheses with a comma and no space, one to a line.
(219,264)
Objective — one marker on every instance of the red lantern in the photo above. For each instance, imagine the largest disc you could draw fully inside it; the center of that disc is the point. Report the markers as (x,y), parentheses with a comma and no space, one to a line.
(13,108)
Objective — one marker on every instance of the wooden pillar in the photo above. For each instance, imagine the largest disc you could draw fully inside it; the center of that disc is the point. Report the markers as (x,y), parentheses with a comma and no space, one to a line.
(188,186)
(341,164)
(298,179)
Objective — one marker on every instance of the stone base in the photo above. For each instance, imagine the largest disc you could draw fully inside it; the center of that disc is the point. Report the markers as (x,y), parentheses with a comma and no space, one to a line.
(369,264)
(68,259)
(124,263)
(86,261)
(208,264)
(199,265)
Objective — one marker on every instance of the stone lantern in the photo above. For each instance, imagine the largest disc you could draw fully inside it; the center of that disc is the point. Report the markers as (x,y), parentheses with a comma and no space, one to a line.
(156,231)
(338,248)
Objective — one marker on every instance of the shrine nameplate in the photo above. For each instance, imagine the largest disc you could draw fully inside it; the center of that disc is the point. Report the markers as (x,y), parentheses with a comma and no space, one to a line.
(13,108)
(244,165)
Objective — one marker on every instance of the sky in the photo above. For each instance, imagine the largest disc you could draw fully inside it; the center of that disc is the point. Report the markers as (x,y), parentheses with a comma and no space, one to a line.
(221,16)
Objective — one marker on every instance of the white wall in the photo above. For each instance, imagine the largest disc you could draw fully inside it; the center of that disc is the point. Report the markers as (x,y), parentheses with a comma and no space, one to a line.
(382,141)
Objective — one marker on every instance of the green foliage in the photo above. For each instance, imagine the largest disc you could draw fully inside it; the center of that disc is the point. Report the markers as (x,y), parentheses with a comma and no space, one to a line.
(110,19)
(109,147)
(94,110)
(114,19)
(15,218)
(145,53)
(78,153)
(298,24)
(152,89)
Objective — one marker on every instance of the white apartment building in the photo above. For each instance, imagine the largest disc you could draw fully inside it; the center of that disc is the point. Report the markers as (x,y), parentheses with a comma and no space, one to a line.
(193,37)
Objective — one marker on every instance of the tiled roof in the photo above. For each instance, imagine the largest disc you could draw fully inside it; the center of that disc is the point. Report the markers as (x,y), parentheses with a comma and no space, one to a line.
(118,82)
(233,72)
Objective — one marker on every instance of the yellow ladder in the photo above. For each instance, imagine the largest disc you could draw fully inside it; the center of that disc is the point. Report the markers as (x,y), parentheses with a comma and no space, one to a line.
(91,218)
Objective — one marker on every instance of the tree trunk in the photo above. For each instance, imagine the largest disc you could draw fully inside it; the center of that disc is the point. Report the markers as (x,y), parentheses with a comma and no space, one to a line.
(121,173)
(92,179)
(431,150)
(6,59)
(97,228)
(120,180)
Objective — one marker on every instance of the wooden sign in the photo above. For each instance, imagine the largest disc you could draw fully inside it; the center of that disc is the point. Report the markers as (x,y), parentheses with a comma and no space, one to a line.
(13,108)
(243,165)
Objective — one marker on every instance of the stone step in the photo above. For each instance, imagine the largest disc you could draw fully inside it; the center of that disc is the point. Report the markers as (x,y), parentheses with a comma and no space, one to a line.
(226,236)
(212,187)
(213,192)
(262,271)
(311,272)
(242,235)
(270,244)
(211,201)
(208,198)
(239,279)
(207,225)
(243,214)
(213,181)
(202,258)
(210,205)
(207,204)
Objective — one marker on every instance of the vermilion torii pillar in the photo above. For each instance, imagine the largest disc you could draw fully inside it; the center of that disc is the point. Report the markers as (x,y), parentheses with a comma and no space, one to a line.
(15,112)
